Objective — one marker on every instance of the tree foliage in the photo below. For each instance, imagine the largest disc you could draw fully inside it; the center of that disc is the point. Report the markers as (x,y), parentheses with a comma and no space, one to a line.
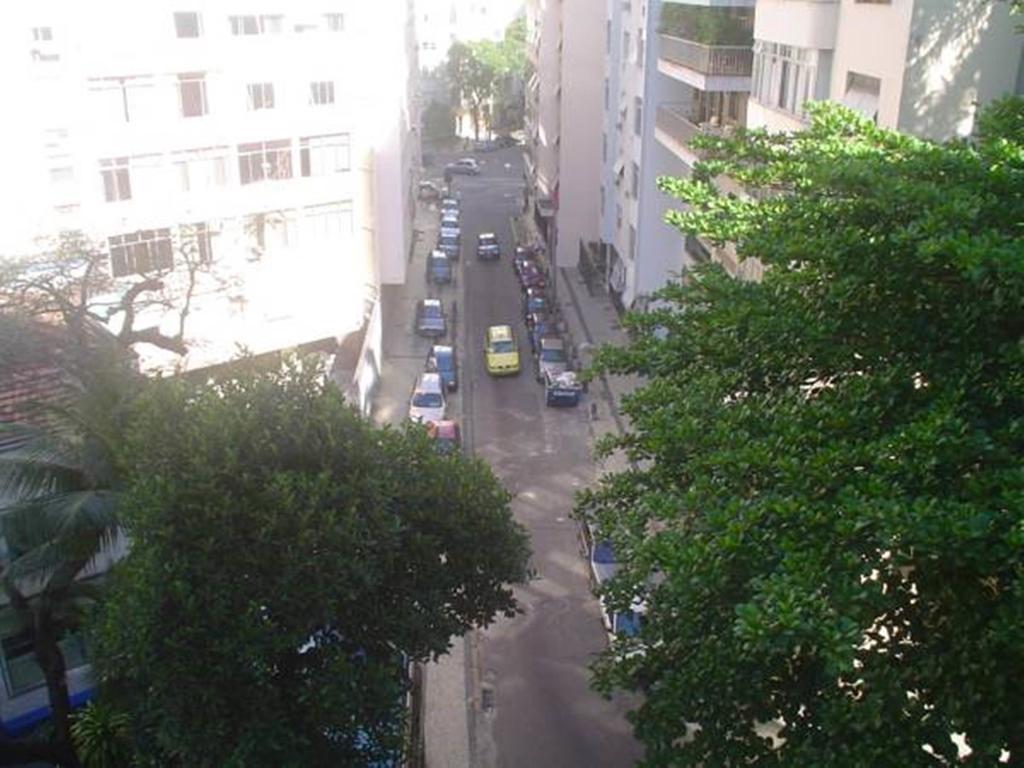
(825,510)
(285,556)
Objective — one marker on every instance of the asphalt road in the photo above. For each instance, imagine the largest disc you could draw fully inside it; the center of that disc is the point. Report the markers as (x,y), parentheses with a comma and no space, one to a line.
(536,705)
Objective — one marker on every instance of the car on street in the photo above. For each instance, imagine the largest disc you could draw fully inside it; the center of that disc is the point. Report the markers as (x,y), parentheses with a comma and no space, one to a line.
(539,325)
(449,240)
(439,267)
(449,204)
(531,276)
(466,166)
(487,246)
(534,300)
(501,353)
(429,191)
(551,357)
(562,389)
(430,318)
(446,435)
(604,566)
(441,359)
(427,401)
(450,218)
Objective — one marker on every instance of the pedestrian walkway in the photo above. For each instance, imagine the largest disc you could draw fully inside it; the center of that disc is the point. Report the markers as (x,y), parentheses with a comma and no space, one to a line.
(444,696)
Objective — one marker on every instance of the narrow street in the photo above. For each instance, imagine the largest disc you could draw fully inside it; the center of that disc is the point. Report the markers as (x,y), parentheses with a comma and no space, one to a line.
(530,674)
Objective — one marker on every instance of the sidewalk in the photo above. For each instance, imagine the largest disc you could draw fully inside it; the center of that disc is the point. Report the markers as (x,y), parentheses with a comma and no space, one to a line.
(444,696)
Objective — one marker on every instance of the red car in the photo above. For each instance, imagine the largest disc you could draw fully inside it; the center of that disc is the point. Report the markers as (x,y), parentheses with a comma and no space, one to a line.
(446,436)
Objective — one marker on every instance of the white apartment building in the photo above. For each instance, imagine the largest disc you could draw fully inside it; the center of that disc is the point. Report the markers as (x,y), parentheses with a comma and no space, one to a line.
(248,132)
(919,66)
(563,123)
(273,143)
(439,23)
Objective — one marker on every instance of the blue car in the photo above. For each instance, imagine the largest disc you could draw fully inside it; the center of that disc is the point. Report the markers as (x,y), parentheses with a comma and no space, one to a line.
(442,360)
(439,268)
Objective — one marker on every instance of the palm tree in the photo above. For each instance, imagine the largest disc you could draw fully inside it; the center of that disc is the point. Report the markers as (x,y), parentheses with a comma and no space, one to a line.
(61,487)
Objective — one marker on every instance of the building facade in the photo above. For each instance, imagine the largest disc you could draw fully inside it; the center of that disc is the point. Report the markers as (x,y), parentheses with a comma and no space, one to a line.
(268,150)
(564,114)
(439,23)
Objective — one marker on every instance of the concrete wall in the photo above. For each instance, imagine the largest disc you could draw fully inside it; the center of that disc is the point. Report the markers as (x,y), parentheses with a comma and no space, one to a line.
(581,121)
(961,54)
(801,23)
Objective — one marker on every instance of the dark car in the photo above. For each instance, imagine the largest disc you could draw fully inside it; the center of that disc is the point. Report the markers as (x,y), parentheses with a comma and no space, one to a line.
(552,359)
(562,389)
(467,166)
(449,218)
(441,359)
(531,276)
(439,267)
(487,246)
(534,300)
(539,325)
(430,318)
(449,240)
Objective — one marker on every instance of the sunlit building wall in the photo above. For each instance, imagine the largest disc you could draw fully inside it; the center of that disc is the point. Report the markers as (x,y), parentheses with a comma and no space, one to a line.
(439,23)
(275,142)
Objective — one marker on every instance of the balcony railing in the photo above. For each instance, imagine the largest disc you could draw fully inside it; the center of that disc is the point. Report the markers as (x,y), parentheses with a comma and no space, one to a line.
(736,60)
(682,125)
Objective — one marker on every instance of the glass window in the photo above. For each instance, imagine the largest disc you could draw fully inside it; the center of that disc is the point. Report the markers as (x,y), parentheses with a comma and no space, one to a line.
(261,96)
(186,24)
(321,92)
(141,252)
(117,183)
(264,160)
(324,155)
(335,22)
(192,91)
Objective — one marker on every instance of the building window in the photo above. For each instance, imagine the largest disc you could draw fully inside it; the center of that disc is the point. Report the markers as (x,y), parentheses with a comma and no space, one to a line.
(638,115)
(124,99)
(603,199)
(786,77)
(187,24)
(192,93)
(22,672)
(332,221)
(116,179)
(604,147)
(256,25)
(618,215)
(634,181)
(138,253)
(640,47)
(64,174)
(625,46)
(42,34)
(608,37)
(335,22)
(321,92)
(607,94)
(201,169)
(324,155)
(632,242)
(200,238)
(264,160)
(862,92)
(261,96)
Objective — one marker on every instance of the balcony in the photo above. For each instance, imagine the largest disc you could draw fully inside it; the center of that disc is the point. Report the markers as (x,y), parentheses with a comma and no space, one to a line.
(676,124)
(729,60)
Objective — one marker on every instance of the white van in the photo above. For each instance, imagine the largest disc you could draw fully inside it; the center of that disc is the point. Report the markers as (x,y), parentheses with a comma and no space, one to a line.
(427,402)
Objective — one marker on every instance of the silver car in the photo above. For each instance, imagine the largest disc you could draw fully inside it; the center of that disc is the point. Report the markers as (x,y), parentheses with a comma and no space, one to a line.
(551,357)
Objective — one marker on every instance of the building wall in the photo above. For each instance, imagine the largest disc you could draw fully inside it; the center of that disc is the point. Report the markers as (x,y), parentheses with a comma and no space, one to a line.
(962,53)
(611,99)
(332,236)
(544,28)
(440,23)
(581,104)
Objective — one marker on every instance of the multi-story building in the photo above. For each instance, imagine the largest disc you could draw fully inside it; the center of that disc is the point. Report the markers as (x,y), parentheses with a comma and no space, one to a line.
(439,23)
(251,135)
(710,65)
(271,145)
(563,123)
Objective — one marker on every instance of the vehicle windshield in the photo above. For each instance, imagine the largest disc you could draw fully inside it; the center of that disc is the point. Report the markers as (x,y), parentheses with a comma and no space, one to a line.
(443,361)
(449,237)
(503,346)
(427,400)
(488,240)
(553,355)
(431,310)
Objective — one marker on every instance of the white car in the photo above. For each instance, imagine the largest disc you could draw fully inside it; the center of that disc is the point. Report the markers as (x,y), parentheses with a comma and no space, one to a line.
(427,402)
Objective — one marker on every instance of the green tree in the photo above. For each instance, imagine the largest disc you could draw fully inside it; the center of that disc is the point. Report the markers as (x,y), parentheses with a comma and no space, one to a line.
(61,482)
(285,555)
(825,510)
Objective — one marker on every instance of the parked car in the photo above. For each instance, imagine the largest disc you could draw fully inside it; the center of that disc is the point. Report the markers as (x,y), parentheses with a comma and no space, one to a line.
(534,300)
(430,318)
(441,359)
(603,566)
(427,401)
(449,218)
(501,353)
(562,388)
(487,246)
(551,357)
(504,142)
(467,166)
(449,204)
(449,240)
(539,325)
(439,267)
(429,191)
(446,435)
(531,276)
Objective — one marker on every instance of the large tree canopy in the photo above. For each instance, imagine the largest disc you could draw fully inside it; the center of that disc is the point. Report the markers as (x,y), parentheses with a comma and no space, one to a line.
(825,510)
(285,555)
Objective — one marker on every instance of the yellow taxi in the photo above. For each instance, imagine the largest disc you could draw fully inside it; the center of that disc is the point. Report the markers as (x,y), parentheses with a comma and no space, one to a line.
(501,354)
